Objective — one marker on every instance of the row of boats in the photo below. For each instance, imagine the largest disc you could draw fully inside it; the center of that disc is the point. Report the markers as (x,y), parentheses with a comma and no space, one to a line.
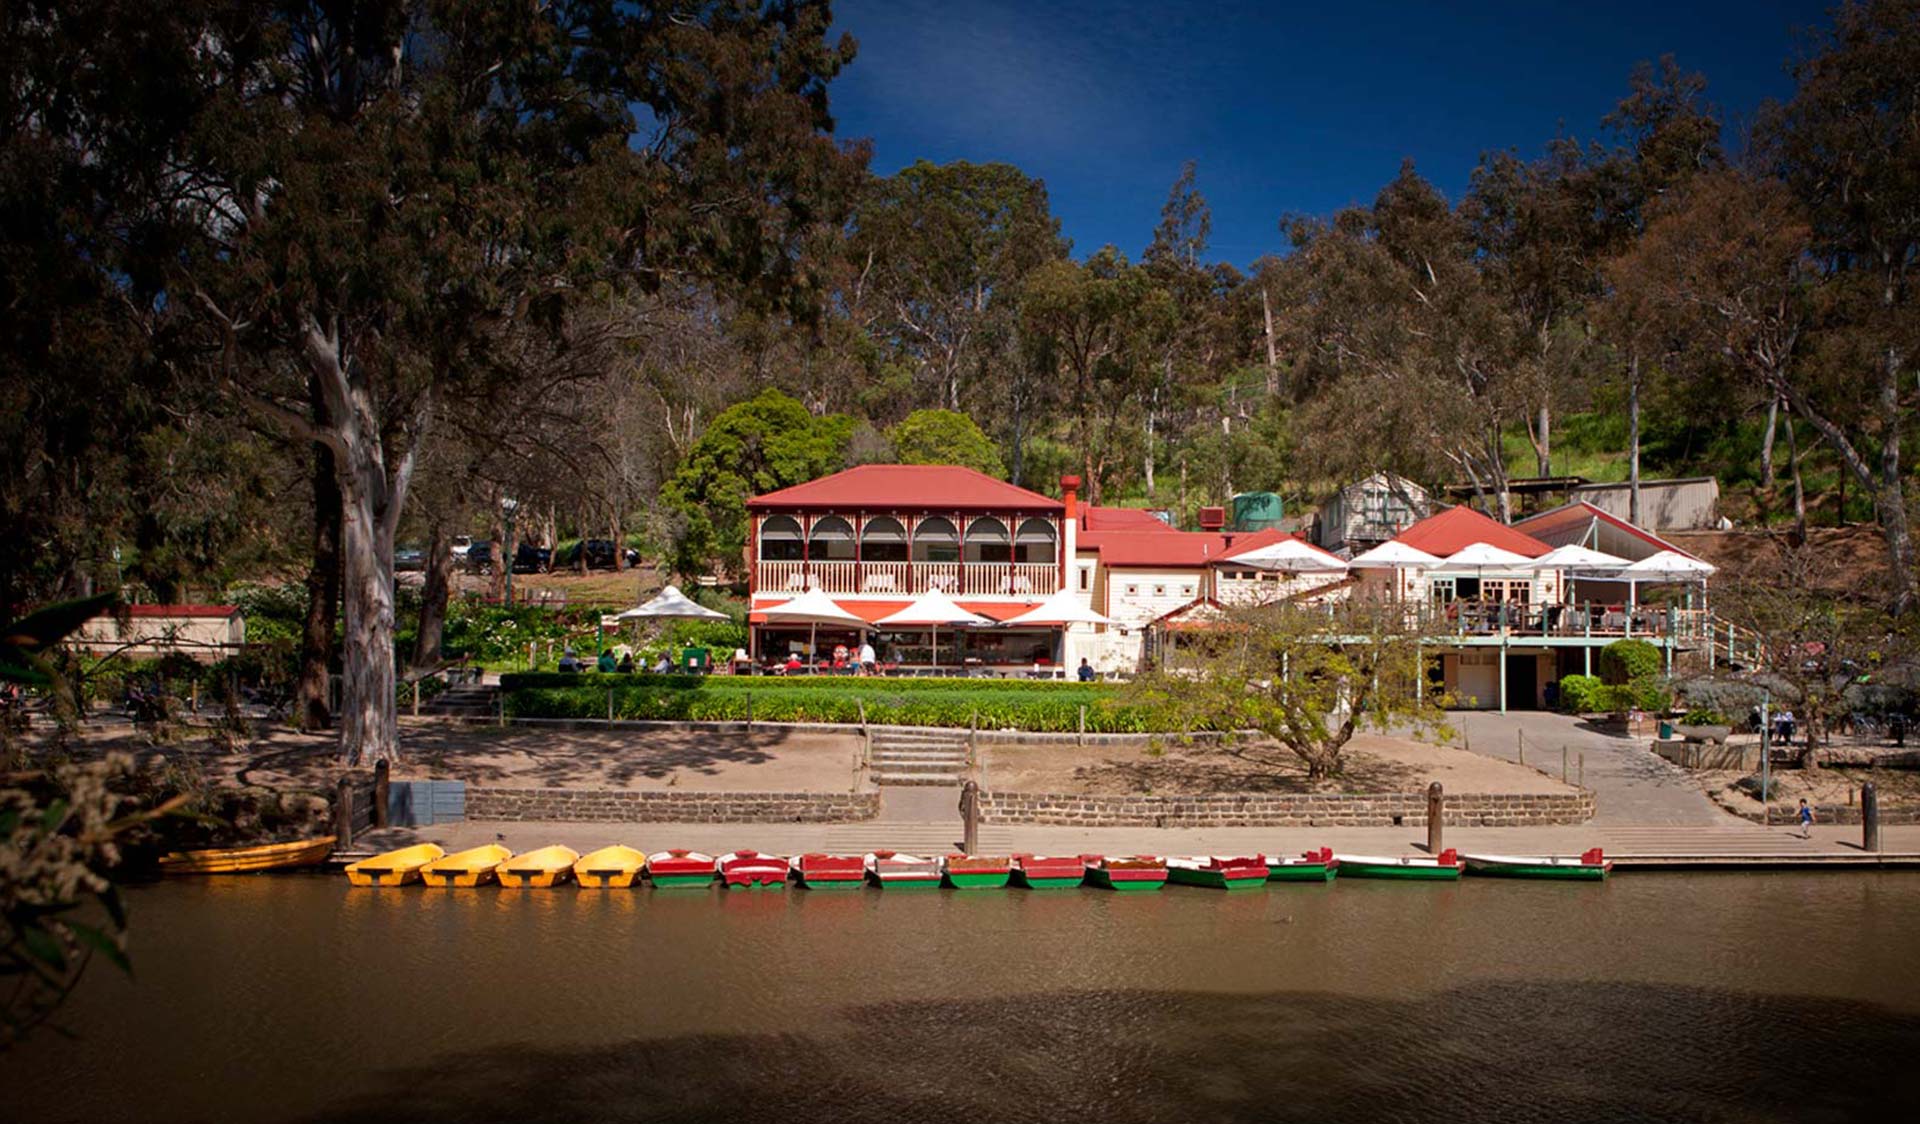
(619,867)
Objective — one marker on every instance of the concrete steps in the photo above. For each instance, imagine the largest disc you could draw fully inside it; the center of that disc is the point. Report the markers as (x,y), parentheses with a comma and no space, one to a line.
(919,757)
(469,700)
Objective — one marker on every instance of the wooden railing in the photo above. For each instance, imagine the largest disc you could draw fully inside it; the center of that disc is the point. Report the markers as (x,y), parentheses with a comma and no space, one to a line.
(910,579)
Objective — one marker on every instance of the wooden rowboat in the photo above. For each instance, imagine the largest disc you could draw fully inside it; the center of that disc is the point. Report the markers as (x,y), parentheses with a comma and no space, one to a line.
(609,868)
(1049,872)
(244,860)
(901,872)
(1593,866)
(678,867)
(1136,873)
(978,872)
(395,868)
(471,867)
(830,872)
(1310,866)
(537,869)
(1219,872)
(752,870)
(1445,866)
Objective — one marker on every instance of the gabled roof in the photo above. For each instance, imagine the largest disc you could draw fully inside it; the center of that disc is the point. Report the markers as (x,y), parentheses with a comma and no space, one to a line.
(1457,528)
(918,487)
(1172,549)
(1569,522)
(1122,519)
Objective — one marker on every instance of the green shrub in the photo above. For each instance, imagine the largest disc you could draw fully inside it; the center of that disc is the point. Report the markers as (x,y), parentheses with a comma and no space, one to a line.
(1624,661)
(1580,694)
(1703,716)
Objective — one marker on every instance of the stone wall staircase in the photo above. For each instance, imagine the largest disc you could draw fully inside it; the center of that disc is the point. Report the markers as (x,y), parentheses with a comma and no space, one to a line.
(467,702)
(918,756)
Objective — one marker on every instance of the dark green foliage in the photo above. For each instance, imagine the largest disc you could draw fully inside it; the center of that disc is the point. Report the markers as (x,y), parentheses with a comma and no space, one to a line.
(1580,694)
(945,437)
(1624,661)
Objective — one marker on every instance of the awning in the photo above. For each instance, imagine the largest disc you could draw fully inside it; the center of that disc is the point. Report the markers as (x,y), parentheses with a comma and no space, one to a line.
(871,611)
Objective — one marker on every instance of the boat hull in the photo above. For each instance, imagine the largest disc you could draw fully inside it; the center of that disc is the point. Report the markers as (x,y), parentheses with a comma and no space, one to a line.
(682,881)
(1218,879)
(1404,873)
(831,882)
(1041,872)
(1126,881)
(395,868)
(979,879)
(1046,882)
(534,879)
(609,868)
(1564,872)
(247,860)
(467,868)
(1301,872)
(537,869)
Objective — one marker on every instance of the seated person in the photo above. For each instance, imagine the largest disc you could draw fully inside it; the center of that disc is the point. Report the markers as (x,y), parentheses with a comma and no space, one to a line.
(606,664)
(793,663)
(626,664)
(663,665)
(1086,672)
(569,663)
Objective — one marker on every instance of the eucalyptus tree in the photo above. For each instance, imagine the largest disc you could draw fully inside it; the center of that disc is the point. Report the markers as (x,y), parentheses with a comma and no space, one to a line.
(361,203)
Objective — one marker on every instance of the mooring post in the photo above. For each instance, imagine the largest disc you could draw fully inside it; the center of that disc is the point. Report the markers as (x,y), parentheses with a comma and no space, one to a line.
(500,708)
(1436,811)
(1563,764)
(1583,770)
(1869,818)
(382,782)
(1520,739)
(343,813)
(970,817)
(609,704)
(1081,737)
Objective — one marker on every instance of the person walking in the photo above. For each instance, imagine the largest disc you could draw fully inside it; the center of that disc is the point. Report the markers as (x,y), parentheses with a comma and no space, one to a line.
(1806,819)
(867,657)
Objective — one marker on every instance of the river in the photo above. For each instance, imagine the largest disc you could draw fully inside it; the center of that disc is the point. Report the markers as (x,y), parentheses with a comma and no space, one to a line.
(1652,997)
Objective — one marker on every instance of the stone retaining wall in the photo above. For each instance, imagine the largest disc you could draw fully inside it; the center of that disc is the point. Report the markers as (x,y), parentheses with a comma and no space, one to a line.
(1397,809)
(1785,815)
(605,805)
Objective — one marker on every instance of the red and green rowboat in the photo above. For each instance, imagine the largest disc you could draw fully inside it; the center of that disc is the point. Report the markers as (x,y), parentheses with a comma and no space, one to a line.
(892,870)
(1219,872)
(1049,872)
(831,872)
(1310,866)
(1134,874)
(978,872)
(751,870)
(1445,866)
(678,867)
(1593,866)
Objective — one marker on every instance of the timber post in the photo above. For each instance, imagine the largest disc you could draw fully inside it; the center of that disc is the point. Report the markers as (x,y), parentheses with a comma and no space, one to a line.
(1520,740)
(1563,764)
(1081,738)
(382,783)
(609,705)
(343,813)
(1869,818)
(416,697)
(1583,770)
(500,708)
(1436,812)
(970,817)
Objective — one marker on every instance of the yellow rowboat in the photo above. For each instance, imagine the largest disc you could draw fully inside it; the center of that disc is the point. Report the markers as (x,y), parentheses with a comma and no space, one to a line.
(242,860)
(471,867)
(395,868)
(537,869)
(609,868)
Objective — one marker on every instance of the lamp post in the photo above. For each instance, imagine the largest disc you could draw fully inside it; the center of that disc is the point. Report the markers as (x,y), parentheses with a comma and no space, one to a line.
(508,507)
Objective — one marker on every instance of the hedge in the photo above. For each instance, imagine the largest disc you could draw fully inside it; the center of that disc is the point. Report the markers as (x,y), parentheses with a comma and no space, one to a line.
(1021,705)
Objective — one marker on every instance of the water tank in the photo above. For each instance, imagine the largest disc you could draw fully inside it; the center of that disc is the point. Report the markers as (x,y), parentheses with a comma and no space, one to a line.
(1256,511)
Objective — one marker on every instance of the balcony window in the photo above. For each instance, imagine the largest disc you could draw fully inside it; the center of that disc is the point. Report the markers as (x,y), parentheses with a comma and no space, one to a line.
(831,541)
(935,540)
(883,539)
(1035,542)
(987,541)
(780,539)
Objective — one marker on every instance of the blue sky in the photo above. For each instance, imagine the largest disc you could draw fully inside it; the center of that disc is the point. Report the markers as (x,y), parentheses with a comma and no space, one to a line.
(1285,107)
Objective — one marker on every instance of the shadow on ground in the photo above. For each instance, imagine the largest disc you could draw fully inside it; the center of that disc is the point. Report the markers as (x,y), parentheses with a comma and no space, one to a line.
(1488,1053)
(1251,767)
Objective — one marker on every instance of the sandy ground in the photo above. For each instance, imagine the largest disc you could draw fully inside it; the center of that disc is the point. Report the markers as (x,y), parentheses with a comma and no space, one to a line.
(1896,788)
(1373,763)
(766,761)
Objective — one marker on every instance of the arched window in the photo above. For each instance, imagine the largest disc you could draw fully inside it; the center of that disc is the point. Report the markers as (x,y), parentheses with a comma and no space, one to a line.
(987,541)
(883,539)
(831,541)
(780,539)
(935,540)
(1035,542)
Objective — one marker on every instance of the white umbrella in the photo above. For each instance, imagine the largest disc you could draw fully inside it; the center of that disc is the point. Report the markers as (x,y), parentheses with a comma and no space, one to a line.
(813,609)
(1290,556)
(933,609)
(671,604)
(1576,557)
(1485,556)
(1063,608)
(1666,566)
(1393,555)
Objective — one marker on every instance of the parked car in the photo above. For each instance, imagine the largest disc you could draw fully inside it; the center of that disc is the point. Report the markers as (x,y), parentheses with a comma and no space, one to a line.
(478,558)
(600,555)
(459,547)
(409,558)
(531,559)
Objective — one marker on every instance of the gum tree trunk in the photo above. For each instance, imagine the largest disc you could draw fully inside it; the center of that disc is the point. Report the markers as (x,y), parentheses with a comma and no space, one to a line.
(312,701)
(434,592)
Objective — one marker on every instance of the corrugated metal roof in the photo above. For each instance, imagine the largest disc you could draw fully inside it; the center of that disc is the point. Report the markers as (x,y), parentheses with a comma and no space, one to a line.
(1178,549)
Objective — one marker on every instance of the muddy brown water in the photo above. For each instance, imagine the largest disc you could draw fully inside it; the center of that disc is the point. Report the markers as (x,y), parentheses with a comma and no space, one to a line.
(1653,997)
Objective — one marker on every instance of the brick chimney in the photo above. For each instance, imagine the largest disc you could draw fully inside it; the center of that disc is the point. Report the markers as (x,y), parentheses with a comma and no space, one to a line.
(1070,495)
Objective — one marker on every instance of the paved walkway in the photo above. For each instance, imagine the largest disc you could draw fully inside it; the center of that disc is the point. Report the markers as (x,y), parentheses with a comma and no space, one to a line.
(1631,785)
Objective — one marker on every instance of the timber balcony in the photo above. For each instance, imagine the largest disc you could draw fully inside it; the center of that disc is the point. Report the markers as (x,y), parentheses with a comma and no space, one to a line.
(1024,580)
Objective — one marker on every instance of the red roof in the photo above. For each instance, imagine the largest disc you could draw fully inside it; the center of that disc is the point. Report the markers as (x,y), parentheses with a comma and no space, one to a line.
(1580,512)
(182,610)
(1122,519)
(919,487)
(871,611)
(1457,528)
(1177,549)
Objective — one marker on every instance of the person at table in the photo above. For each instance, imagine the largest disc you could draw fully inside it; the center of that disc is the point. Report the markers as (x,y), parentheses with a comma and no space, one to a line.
(626,663)
(1086,672)
(867,658)
(663,665)
(606,664)
(793,665)
(569,663)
